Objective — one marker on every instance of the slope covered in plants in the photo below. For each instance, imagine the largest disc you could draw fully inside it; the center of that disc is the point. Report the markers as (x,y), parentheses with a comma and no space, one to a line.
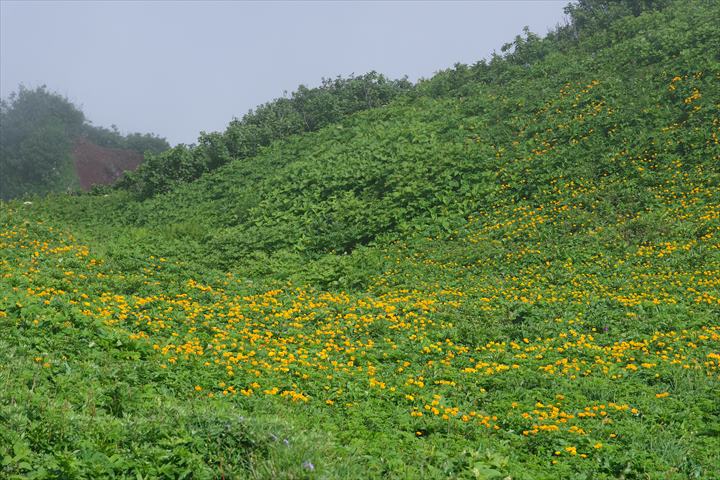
(512,270)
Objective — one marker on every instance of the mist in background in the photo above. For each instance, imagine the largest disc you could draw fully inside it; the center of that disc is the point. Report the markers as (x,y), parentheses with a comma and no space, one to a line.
(178,68)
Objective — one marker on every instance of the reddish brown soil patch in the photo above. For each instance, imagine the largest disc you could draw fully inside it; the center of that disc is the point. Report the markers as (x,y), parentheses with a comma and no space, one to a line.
(96,165)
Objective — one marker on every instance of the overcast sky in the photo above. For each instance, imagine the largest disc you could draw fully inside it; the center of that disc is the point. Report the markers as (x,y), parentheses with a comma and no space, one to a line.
(178,68)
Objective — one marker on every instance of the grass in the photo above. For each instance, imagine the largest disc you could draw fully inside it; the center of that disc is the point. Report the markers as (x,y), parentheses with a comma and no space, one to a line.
(514,279)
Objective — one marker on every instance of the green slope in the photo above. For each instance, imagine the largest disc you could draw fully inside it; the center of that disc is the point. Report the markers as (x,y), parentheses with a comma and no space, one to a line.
(512,271)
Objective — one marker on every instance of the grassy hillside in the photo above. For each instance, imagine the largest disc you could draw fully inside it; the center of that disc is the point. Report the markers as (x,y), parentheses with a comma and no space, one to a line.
(511,271)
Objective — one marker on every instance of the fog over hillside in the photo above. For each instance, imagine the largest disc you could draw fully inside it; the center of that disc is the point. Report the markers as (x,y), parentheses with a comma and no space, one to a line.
(179,68)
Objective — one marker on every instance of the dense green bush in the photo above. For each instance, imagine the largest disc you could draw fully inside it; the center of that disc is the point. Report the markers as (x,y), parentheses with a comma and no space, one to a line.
(112,138)
(306,110)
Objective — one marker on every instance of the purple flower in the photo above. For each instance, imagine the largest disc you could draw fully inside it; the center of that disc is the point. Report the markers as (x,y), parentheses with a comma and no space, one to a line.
(307,465)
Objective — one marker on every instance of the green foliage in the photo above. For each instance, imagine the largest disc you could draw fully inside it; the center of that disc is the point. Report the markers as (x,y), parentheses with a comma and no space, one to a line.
(590,16)
(511,271)
(425,165)
(306,110)
(90,401)
(37,131)
(112,138)
(36,128)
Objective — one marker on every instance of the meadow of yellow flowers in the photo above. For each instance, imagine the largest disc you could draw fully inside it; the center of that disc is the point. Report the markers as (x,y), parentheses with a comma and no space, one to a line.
(511,273)
(567,361)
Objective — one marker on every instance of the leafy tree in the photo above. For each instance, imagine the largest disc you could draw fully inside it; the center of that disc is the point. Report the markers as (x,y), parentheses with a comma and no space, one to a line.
(145,142)
(37,131)
(112,138)
(590,16)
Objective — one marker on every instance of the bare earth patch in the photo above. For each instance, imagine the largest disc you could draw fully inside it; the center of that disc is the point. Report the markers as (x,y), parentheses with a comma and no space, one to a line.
(96,165)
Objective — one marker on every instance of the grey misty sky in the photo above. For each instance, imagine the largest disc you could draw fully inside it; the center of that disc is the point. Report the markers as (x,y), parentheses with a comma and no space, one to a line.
(178,68)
